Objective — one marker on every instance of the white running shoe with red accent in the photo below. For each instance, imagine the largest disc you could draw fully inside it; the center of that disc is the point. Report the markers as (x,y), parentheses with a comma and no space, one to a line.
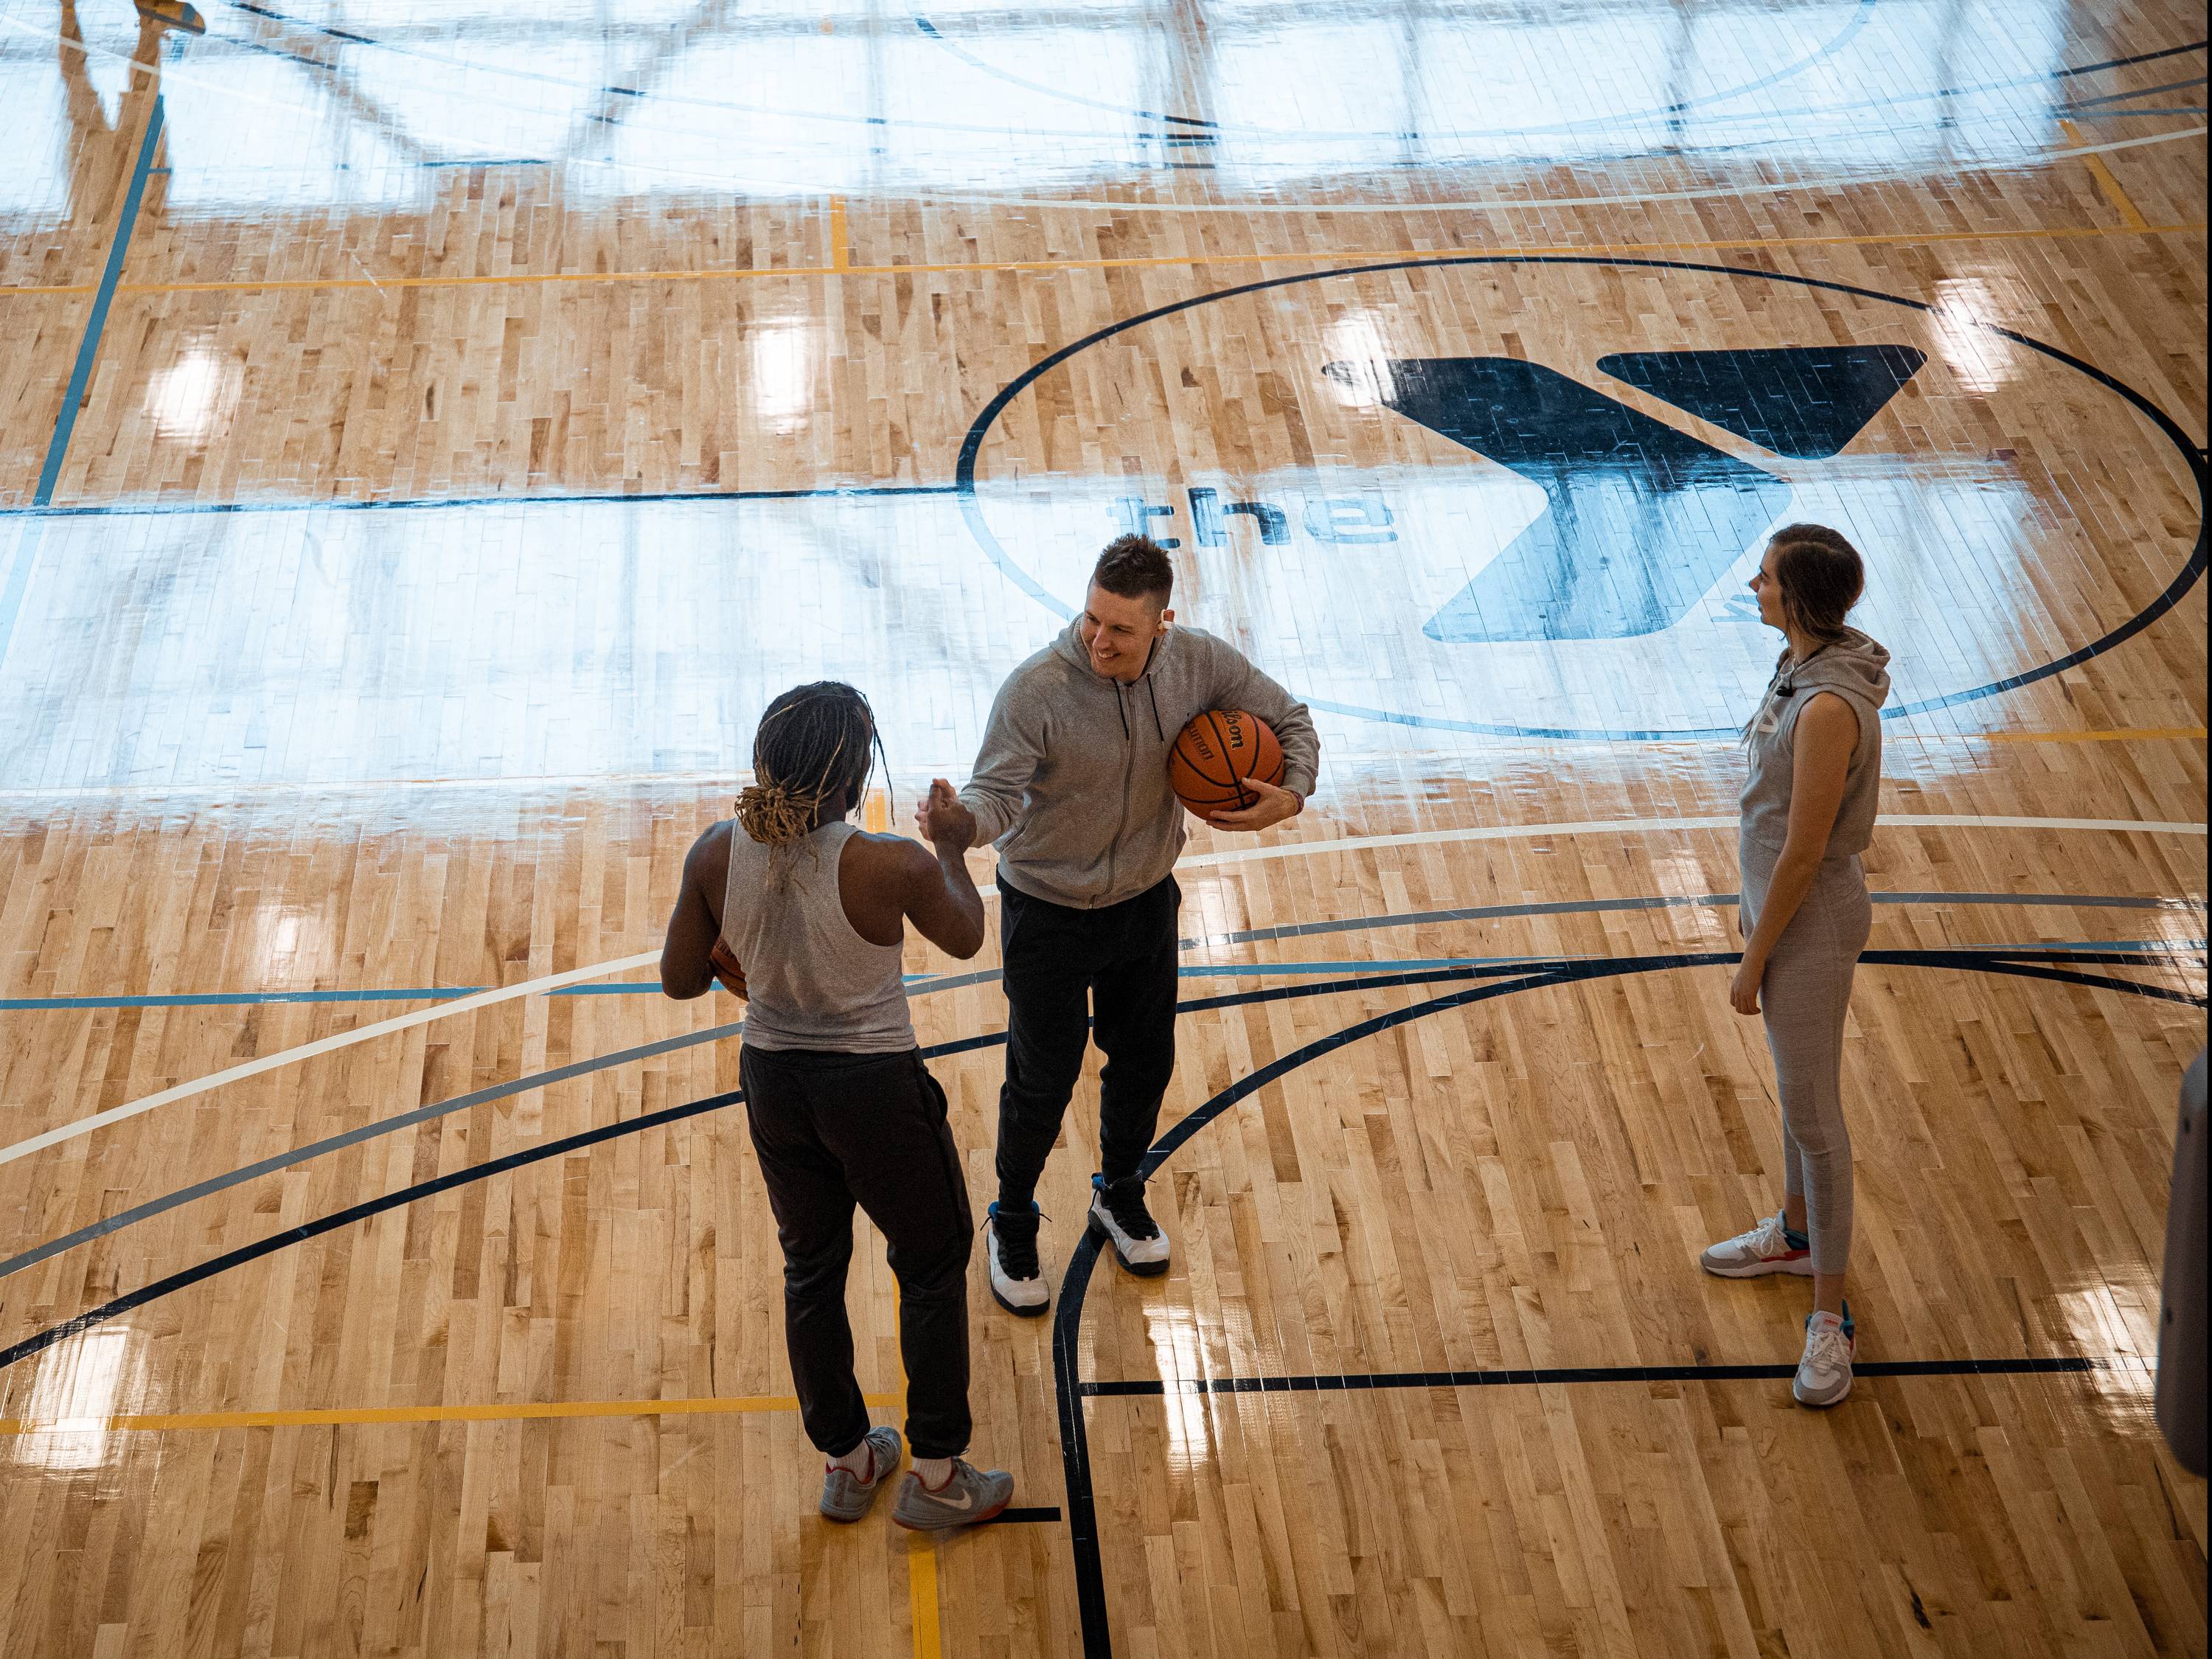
(1824,1375)
(1769,1247)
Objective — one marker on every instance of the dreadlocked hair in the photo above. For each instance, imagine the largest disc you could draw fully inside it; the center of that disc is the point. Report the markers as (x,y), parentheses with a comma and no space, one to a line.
(814,741)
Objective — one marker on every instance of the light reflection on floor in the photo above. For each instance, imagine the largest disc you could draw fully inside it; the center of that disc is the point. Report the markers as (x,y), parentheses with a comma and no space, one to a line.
(533,639)
(271,110)
(76,1388)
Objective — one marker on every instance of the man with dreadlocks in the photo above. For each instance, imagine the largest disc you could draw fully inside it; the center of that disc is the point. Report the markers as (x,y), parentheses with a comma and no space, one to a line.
(804,917)
(1088,832)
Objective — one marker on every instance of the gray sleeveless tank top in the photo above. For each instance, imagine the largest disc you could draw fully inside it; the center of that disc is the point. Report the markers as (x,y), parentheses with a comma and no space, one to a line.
(1855,668)
(812,981)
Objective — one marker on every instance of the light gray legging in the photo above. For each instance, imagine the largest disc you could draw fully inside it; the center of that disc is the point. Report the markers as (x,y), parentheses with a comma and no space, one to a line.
(1806,994)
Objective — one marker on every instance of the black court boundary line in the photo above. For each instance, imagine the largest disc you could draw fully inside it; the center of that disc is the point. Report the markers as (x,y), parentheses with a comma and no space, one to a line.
(1546,1376)
(2017,963)
(1075,1280)
(2136,955)
(2192,568)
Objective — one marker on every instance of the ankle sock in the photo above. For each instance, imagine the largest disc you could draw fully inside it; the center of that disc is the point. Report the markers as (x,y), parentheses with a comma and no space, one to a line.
(934,1471)
(860,1462)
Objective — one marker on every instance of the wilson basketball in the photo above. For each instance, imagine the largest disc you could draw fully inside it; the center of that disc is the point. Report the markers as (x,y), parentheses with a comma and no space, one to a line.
(1215,753)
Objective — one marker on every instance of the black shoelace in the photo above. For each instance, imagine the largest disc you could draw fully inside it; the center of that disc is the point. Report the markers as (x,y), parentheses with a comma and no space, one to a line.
(1125,1202)
(1018,1247)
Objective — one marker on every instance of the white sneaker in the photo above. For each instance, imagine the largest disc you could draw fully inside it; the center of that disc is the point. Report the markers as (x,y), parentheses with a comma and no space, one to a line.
(1767,1249)
(1016,1278)
(1824,1375)
(1118,1215)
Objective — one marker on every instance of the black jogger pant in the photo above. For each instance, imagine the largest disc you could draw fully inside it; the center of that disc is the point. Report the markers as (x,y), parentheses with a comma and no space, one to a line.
(1064,970)
(832,1129)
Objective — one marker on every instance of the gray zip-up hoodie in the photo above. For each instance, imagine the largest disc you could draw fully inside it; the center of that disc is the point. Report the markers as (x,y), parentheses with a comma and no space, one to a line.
(1072,781)
(1854,668)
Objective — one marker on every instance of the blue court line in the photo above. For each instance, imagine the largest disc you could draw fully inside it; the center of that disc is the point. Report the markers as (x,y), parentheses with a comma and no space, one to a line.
(88,348)
(27,550)
(1250,936)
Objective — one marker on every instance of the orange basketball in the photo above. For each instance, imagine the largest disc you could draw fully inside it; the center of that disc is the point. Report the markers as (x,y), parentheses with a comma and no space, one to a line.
(1215,753)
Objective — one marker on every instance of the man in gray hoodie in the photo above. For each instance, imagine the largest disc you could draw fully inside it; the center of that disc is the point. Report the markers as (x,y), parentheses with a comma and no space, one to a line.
(1071,787)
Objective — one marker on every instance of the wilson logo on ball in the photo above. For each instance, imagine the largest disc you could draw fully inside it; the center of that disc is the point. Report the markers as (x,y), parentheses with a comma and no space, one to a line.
(1215,755)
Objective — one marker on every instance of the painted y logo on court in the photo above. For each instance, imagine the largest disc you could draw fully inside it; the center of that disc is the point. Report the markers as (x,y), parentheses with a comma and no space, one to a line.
(1642,519)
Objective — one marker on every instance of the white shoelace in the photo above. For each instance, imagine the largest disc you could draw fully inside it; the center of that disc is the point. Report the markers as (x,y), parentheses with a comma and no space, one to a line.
(1826,1348)
(1768,1238)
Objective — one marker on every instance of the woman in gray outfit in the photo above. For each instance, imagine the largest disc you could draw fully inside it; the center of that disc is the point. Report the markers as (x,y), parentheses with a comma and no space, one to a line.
(1809,809)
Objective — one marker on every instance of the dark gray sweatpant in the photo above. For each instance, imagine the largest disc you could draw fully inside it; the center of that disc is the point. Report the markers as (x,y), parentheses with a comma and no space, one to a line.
(1804,997)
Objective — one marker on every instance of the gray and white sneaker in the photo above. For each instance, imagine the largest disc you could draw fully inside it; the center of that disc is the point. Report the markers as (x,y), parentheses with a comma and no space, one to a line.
(1769,1247)
(1824,1375)
(1016,1278)
(1118,1215)
(845,1496)
(969,1495)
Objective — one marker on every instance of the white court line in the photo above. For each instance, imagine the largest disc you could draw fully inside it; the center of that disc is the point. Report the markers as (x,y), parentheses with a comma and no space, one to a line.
(85,1126)
(1292,849)
(1645,826)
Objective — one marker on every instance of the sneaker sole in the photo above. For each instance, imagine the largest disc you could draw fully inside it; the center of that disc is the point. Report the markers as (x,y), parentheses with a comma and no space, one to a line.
(1141,1269)
(1018,1311)
(1801,1268)
(991,1514)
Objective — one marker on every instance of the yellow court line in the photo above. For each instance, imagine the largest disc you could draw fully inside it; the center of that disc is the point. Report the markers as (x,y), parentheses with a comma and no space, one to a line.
(491,1411)
(920,1563)
(2131,216)
(921,1594)
(841,241)
(841,267)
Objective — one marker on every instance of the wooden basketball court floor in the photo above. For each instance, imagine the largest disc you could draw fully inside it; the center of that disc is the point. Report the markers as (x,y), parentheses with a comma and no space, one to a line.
(429,434)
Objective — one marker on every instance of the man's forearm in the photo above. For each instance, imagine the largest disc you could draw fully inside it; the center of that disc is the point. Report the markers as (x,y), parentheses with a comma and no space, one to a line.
(993,811)
(1301,751)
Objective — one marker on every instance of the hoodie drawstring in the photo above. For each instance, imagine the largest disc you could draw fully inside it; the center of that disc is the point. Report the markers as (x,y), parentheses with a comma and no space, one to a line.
(1122,708)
